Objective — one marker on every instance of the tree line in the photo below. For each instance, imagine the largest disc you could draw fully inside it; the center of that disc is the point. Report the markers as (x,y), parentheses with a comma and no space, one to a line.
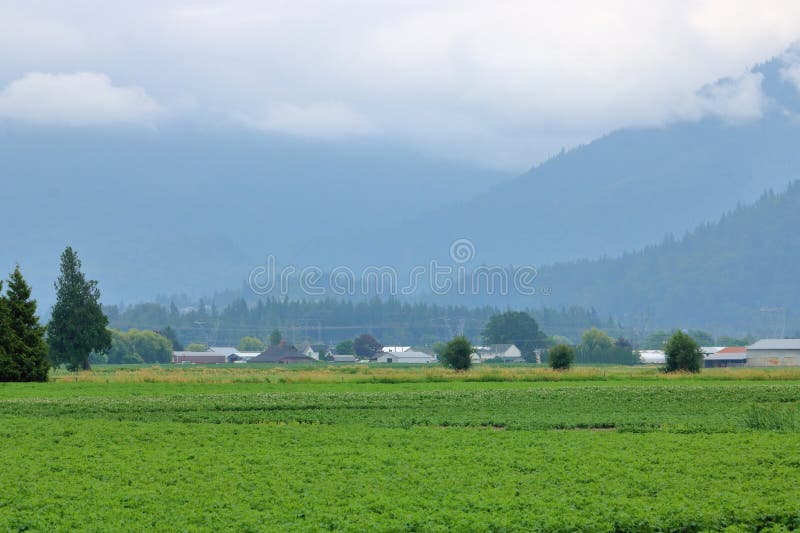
(331,321)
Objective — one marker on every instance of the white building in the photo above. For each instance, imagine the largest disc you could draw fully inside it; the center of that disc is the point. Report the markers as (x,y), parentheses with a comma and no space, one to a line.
(652,357)
(508,353)
(408,356)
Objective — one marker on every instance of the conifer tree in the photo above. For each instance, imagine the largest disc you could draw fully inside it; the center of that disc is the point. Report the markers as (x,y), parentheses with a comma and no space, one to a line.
(78,326)
(6,364)
(25,348)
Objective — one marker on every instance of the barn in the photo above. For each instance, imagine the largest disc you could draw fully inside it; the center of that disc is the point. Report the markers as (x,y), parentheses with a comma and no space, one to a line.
(774,352)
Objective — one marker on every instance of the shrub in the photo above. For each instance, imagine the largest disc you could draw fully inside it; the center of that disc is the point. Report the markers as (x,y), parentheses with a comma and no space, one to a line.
(561,357)
(683,353)
(132,359)
(457,354)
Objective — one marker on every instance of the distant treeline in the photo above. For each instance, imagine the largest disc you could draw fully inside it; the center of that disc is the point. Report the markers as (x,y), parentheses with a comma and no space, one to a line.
(329,321)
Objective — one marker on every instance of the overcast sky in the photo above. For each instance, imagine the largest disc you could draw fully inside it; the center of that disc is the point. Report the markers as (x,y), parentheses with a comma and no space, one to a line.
(499,83)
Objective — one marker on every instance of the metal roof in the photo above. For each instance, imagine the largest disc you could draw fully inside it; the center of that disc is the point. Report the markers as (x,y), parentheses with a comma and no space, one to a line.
(727,356)
(223,350)
(197,354)
(775,344)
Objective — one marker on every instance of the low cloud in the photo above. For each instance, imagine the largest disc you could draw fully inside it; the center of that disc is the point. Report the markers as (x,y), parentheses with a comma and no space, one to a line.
(738,99)
(791,73)
(83,98)
(327,120)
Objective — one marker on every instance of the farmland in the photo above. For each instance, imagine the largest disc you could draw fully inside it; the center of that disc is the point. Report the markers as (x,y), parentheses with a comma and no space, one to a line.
(199,449)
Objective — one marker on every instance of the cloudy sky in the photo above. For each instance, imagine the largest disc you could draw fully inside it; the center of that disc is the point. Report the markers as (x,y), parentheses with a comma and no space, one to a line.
(497,83)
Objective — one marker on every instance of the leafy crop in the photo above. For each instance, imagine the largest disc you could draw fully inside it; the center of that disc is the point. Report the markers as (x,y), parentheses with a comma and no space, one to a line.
(622,455)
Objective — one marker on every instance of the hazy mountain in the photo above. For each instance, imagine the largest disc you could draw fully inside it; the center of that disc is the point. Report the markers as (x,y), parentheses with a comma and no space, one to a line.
(625,190)
(732,275)
(185,209)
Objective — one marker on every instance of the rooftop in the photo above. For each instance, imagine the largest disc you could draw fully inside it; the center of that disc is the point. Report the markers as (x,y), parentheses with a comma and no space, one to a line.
(776,344)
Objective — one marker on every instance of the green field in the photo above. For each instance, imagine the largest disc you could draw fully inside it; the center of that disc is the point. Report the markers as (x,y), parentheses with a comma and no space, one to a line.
(237,449)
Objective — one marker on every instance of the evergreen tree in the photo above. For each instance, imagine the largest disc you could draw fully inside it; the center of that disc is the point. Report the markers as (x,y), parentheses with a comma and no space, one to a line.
(25,357)
(275,338)
(6,364)
(78,325)
(169,333)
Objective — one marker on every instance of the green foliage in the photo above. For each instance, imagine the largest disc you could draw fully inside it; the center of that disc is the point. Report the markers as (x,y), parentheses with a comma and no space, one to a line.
(655,340)
(250,344)
(391,320)
(725,340)
(132,358)
(196,347)
(595,340)
(553,340)
(23,350)
(593,460)
(514,327)
(136,346)
(703,338)
(683,353)
(345,348)
(773,416)
(597,347)
(170,334)
(365,345)
(560,357)
(457,354)
(275,338)
(101,358)
(77,326)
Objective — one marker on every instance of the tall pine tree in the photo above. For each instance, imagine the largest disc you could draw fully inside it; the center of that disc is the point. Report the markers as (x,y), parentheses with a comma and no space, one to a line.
(25,349)
(6,364)
(78,326)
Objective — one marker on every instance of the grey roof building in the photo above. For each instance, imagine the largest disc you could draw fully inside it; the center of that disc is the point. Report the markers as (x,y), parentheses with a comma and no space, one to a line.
(282,353)
(774,352)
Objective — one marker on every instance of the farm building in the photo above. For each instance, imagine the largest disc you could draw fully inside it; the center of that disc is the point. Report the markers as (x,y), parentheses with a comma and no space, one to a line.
(730,356)
(774,352)
(344,358)
(242,357)
(408,356)
(222,350)
(198,358)
(508,353)
(282,353)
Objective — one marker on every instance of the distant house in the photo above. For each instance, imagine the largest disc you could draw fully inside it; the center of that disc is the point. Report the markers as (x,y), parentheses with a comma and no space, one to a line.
(408,356)
(282,354)
(508,353)
(344,358)
(730,356)
(774,352)
(652,357)
(323,350)
(198,358)
(308,350)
